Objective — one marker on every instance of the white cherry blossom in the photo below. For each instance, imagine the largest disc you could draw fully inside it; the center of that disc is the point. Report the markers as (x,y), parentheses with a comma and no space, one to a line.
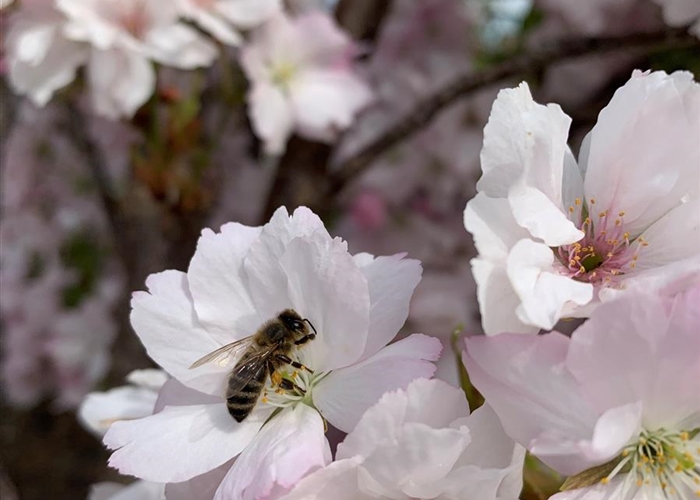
(301,80)
(221,17)
(421,443)
(557,238)
(126,36)
(681,13)
(41,60)
(238,279)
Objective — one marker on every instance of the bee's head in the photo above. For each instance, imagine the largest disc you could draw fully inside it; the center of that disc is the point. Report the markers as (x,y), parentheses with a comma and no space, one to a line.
(291,319)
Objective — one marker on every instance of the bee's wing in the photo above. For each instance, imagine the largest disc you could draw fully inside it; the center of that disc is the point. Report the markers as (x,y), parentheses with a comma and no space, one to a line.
(223,354)
(249,368)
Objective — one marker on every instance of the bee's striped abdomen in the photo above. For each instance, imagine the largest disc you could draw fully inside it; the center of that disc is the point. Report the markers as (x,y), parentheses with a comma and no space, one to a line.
(242,401)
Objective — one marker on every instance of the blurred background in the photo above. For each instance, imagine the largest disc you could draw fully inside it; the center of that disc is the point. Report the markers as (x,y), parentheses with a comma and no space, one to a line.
(90,205)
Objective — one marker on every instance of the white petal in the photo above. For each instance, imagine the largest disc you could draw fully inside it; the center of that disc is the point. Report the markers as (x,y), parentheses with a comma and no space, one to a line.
(543,294)
(219,285)
(421,454)
(247,13)
(541,217)
(99,410)
(391,281)
(200,488)
(120,82)
(148,378)
(271,116)
(327,100)
(524,380)
(210,22)
(338,481)
(180,46)
(524,144)
(431,402)
(285,450)
(617,489)
(53,65)
(498,301)
(492,457)
(325,286)
(344,395)
(173,393)
(138,490)
(673,238)
(180,442)
(644,151)
(165,321)
(491,222)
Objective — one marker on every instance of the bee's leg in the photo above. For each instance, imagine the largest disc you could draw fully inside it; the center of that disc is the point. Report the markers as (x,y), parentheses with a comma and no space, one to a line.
(288,385)
(305,339)
(295,364)
(275,377)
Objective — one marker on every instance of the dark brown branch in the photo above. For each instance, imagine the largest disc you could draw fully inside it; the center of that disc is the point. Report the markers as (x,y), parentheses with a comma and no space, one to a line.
(424,111)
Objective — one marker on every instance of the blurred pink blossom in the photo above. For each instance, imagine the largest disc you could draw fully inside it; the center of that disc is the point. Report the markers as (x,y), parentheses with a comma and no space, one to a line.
(218,17)
(302,80)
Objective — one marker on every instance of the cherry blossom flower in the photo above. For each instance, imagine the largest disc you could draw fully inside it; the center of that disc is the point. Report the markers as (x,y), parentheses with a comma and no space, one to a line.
(300,82)
(421,443)
(99,410)
(40,59)
(623,392)
(556,239)
(126,37)
(682,13)
(219,16)
(238,279)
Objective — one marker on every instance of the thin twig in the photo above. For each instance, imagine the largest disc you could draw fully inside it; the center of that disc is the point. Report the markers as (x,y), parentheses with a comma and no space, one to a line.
(424,111)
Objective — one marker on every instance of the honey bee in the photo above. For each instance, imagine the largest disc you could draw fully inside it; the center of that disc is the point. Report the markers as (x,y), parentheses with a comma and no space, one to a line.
(264,352)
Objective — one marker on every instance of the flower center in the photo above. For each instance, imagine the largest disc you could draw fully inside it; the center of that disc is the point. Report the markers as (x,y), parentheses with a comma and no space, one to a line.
(667,461)
(605,251)
(303,382)
(282,73)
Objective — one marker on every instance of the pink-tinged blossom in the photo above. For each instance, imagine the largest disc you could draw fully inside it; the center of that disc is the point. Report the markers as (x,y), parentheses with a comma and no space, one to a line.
(99,410)
(556,237)
(40,59)
(623,390)
(238,279)
(421,443)
(682,13)
(302,80)
(220,18)
(126,37)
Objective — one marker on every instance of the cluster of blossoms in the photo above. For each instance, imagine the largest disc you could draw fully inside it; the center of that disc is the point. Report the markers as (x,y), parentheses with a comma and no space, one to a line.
(615,406)
(59,279)
(297,82)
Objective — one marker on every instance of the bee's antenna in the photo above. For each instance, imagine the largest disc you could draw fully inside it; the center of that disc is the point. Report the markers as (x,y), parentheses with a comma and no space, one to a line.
(311,325)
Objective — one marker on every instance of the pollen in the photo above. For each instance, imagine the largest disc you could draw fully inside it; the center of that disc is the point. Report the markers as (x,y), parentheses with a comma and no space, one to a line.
(662,461)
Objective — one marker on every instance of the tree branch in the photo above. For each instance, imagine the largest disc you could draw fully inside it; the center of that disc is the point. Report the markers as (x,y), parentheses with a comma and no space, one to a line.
(426,110)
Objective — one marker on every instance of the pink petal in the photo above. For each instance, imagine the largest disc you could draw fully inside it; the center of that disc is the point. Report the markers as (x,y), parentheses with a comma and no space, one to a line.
(180,442)
(165,321)
(286,449)
(524,380)
(652,121)
(344,395)
(338,481)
